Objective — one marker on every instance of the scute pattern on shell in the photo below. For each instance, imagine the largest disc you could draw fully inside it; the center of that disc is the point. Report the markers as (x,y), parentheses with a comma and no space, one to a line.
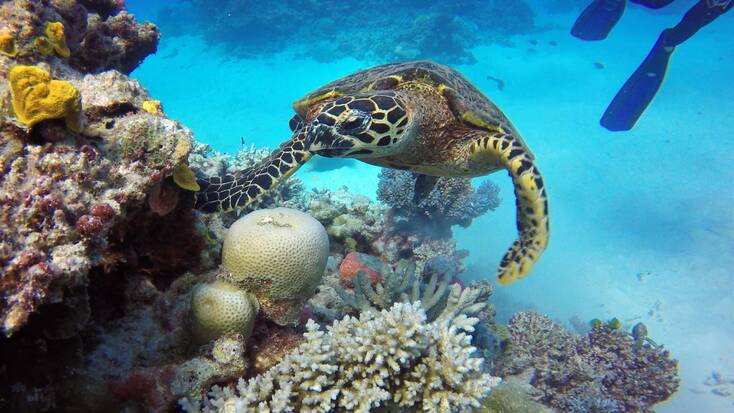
(465,97)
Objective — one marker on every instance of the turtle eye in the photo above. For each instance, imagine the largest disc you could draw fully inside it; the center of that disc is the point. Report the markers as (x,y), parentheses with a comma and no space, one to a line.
(353,121)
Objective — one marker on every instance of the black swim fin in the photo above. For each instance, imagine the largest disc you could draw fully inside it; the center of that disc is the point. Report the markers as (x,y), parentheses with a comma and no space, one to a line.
(639,90)
(598,19)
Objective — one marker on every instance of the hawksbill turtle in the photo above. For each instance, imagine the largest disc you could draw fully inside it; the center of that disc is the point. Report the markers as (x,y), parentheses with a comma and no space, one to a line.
(418,116)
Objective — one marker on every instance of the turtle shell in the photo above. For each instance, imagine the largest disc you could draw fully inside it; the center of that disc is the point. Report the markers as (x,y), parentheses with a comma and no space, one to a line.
(466,101)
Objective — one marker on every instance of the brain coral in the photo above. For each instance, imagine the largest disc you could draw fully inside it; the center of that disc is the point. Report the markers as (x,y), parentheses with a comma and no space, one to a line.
(221,308)
(279,255)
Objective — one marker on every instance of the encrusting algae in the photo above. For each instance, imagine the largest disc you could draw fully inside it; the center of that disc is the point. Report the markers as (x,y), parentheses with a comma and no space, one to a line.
(55,33)
(184,177)
(36,97)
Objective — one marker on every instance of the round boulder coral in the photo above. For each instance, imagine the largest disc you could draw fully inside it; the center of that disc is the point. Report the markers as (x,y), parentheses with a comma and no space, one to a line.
(221,308)
(279,255)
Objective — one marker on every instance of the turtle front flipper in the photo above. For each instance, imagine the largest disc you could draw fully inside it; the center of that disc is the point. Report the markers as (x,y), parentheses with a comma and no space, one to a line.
(223,193)
(531,203)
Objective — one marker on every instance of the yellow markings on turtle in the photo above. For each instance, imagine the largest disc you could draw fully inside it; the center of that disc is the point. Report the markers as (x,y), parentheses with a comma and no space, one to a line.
(531,203)
(185,178)
(474,119)
(306,103)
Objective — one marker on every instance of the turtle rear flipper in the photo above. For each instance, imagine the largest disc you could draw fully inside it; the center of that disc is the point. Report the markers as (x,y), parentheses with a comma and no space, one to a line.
(223,193)
(531,203)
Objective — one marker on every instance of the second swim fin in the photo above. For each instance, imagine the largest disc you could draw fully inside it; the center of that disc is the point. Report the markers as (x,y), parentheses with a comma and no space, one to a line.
(639,90)
(598,19)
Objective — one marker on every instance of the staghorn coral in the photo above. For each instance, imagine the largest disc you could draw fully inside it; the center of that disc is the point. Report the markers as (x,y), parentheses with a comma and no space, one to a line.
(604,370)
(36,97)
(279,256)
(390,359)
(219,309)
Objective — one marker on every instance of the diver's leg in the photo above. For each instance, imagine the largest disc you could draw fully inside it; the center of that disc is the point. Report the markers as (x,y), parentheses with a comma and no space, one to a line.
(598,19)
(639,90)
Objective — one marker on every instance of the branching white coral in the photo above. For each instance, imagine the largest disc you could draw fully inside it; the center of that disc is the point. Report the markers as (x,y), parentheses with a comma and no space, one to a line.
(392,358)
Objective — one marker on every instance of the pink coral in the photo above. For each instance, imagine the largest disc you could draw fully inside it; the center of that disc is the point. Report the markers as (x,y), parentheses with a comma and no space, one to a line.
(355,262)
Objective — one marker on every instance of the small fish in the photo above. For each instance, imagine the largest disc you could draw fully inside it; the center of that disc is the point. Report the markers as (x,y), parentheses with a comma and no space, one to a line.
(599,65)
(500,83)
(553,43)
(533,42)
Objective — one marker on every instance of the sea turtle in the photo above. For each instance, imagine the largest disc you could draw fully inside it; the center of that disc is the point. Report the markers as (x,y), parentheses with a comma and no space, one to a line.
(419,116)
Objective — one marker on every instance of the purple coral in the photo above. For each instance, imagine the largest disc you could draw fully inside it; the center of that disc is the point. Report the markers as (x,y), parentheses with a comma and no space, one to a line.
(453,201)
(602,370)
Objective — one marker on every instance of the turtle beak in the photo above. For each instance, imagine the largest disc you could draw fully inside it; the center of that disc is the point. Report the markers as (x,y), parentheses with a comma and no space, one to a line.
(323,140)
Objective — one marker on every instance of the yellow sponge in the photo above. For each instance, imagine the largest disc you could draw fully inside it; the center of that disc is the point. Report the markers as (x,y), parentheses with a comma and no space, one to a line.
(7,44)
(55,33)
(221,308)
(153,106)
(43,46)
(36,97)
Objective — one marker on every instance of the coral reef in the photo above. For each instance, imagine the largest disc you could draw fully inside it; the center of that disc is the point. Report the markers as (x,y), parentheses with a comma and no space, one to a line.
(62,191)
(604,370)
(329,30)
(279,256)
(388,358)
(111,285)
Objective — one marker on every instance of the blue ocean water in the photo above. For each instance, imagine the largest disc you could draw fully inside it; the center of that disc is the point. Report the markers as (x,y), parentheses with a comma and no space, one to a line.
(642,221)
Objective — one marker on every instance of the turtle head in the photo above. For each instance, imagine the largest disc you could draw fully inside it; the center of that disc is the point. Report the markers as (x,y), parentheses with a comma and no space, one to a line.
(360,126)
